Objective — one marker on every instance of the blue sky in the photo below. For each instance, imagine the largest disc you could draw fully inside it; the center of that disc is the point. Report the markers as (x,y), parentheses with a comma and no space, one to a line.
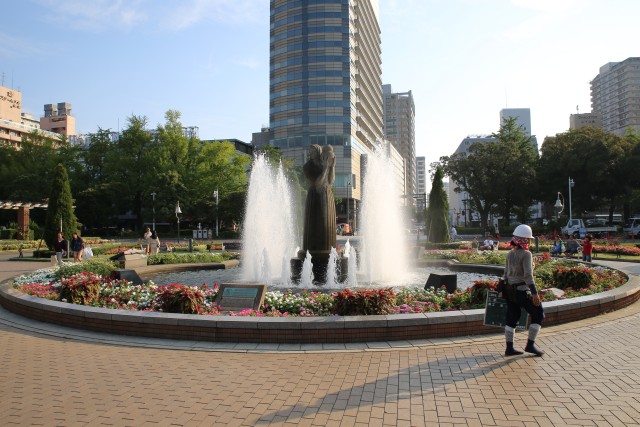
(464,60)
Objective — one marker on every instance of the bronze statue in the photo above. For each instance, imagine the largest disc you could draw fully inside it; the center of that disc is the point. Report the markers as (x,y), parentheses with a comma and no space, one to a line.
(320,209)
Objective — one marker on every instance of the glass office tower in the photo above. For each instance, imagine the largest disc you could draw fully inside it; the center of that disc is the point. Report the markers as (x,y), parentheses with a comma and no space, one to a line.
(326,84)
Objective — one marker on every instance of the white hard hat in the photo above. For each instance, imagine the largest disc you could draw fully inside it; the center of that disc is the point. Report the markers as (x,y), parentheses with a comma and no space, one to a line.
(523,230)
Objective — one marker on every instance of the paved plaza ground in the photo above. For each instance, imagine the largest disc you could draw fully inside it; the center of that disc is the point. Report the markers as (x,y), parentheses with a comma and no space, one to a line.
(55,376)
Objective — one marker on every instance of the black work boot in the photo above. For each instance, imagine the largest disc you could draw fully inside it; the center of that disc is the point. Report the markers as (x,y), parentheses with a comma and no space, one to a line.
(510,351)
(533,349)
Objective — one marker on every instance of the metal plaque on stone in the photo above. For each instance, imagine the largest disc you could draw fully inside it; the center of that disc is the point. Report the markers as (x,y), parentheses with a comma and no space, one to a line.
(240,296)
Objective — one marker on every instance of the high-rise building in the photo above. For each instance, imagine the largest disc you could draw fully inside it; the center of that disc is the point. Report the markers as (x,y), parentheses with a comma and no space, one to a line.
(326,85)
(615,95)
(523,120)
(399,130)
(421,181)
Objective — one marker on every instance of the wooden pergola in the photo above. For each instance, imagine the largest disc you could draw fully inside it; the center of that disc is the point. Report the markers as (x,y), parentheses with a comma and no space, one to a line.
(23,214)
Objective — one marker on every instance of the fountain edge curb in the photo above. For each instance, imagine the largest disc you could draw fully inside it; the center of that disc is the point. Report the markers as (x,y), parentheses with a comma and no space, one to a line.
(333,329)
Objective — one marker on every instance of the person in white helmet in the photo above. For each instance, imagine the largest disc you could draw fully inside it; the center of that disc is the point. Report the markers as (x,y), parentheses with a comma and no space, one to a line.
(519,273)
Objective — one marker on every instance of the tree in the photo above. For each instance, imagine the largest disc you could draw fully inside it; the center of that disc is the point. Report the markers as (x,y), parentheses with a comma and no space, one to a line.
(498,174)
(60,215)
(94,200)
(598,162)
(438,211)
(132,165)
(518,185)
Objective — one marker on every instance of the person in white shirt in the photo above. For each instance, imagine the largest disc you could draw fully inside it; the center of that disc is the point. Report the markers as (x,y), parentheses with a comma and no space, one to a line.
(487,245)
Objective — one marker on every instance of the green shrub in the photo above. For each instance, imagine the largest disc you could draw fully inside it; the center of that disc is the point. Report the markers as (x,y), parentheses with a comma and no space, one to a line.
(100,267)
(13,245)
(113,248)
(182,299)
(8,233)
(478,292)
(364,301)
(82,288)
(45,253)
(187,257)
(446,246)
(575,278)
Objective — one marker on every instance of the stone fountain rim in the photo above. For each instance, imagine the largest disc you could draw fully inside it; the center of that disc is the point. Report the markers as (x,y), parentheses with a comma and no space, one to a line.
(300,329)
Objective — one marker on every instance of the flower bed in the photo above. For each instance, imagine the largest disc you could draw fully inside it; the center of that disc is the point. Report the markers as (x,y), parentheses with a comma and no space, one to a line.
(95,288)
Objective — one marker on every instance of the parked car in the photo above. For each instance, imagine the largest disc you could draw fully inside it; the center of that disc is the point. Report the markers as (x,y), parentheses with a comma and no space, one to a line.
(632,227)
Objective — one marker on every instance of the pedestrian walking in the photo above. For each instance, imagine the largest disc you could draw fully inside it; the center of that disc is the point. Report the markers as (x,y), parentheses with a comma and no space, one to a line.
(155,243)
(77,246)
(60,246)
(521,292)
(147,241)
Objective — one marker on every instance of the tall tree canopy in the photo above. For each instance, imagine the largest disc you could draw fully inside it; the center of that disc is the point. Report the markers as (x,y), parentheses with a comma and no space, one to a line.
(596,160)
(497,175)
(60,214)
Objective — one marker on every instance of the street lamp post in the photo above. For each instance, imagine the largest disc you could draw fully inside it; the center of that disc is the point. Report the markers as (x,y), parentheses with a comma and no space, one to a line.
(571,184)
(348,202)
(559,206)
(153,196)
(215,196)
(178,212)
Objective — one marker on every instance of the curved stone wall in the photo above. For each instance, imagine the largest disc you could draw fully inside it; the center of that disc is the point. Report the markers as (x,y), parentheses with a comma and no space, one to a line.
(335,329)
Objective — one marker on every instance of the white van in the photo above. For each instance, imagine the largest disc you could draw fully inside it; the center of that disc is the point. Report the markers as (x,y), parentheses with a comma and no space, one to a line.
(632,227)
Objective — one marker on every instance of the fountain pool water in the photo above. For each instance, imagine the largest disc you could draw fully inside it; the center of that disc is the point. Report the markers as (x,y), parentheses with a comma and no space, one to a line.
(414,278)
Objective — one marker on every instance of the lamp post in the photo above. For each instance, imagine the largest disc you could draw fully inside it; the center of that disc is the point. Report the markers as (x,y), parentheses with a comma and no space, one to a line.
(153,196)
(178,212)
(348,202)
(215,196)
(559,206)
(571,184)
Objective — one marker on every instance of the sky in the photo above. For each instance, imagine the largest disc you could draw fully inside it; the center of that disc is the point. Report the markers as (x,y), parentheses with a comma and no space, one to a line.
(463,60)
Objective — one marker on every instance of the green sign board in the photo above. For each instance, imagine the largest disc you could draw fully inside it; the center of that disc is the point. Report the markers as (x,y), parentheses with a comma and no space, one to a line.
(496,310)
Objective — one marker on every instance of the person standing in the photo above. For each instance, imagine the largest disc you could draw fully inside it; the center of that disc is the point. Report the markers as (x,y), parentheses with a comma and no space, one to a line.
(77,246)
(147,241)
(587,248)
(519,273)
(60,246)
(453,233)
(155,243)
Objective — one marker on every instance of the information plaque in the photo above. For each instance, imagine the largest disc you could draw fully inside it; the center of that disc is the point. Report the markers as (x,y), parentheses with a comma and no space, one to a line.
(238,297)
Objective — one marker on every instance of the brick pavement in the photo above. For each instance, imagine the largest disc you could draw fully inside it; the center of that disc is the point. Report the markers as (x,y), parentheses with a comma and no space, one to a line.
(589,376)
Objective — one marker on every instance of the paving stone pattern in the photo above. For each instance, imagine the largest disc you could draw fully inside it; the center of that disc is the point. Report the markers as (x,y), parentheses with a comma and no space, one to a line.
(589,376)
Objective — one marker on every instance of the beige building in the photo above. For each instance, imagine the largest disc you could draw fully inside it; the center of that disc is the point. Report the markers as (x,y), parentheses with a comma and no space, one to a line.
(58,119)
(326,85)
(14,124)
(615,95)
(577,121)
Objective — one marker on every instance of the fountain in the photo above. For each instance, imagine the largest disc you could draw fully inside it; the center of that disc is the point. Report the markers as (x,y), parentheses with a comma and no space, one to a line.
(269,234)
(384,244)
(269,227)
